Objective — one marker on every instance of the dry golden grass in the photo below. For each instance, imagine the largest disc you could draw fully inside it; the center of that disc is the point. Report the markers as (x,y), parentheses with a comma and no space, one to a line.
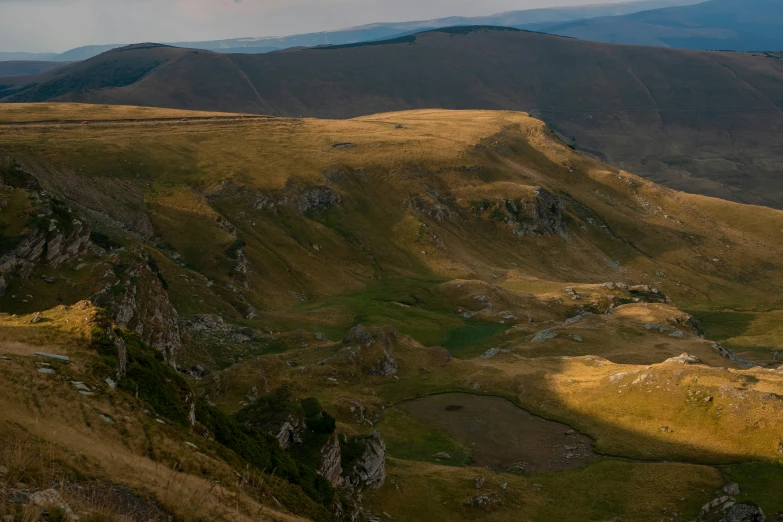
(50,430)
(77,112)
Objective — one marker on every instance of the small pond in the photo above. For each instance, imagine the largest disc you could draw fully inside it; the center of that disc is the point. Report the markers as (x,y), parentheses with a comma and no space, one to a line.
(501,435)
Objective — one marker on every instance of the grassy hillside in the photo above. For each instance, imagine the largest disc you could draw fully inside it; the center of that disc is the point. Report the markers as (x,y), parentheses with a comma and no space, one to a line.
(479,254)
(701,122)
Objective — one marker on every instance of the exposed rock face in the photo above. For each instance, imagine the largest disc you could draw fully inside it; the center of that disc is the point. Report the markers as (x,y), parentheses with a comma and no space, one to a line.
(58,244)
(331,462)
(540,214)
(430,205)
(138,302)
(547,211)
(300,197)
(370,470)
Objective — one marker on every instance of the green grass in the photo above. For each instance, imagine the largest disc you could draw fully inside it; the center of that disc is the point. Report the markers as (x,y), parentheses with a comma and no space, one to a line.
(760,483)
(471,339)
(756,333)
(607,489)
(721,325)
(413,307)
(411,439)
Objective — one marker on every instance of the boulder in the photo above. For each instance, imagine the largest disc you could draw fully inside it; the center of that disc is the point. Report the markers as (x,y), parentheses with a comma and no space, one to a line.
(685,358)
(50,498)
(744,513)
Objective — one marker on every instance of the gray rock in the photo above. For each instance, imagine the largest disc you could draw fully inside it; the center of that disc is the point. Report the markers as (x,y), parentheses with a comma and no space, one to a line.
(46,371)
(732,489)
(80,386)
(50,498)
(441,455)
(61,358)
(544,335)
(478,482)
(486,502)
(577,338)
(659,327)
(492,352)
(685,358)
(679,334)
(744,513)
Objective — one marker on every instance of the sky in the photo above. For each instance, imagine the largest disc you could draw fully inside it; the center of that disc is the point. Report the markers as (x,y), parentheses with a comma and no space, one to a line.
(59,25)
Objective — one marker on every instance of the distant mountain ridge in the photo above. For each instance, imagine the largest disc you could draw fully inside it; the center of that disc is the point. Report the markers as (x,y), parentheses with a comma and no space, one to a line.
(739,25)
(704,122)
(376,31)
(27,67)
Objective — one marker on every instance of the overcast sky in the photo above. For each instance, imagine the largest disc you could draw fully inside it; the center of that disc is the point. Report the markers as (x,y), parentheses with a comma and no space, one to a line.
(59,25)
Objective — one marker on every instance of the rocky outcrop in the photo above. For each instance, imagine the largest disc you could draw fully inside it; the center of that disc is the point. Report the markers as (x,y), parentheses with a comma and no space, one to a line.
(372,348)
(729,354)
(49,244)
(369,470)
(431,205)
(138,302)
(298,196)
(539,214)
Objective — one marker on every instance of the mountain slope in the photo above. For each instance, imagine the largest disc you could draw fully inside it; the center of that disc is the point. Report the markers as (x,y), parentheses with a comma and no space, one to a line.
(703,122)
(340,267)
(738,25)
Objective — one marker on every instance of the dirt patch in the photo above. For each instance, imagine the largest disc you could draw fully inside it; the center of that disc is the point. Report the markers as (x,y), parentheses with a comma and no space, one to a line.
(501,435)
